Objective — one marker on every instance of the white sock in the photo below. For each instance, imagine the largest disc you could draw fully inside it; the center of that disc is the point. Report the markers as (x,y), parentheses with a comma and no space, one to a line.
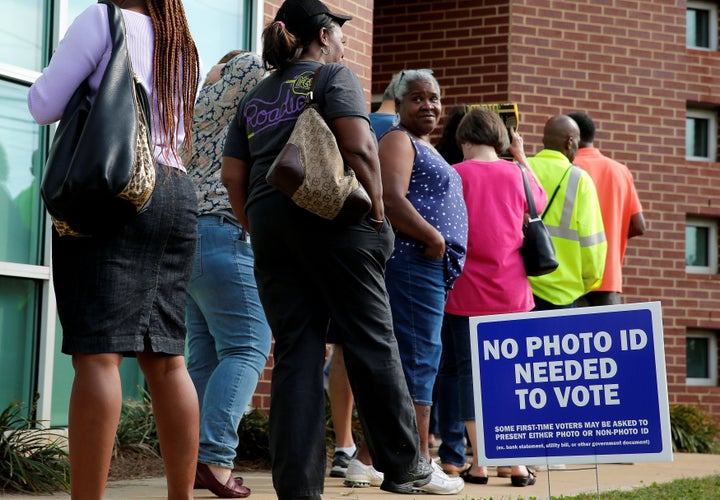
(350,451)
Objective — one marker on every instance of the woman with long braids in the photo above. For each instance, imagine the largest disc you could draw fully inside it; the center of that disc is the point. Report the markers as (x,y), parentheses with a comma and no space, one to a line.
(123,294)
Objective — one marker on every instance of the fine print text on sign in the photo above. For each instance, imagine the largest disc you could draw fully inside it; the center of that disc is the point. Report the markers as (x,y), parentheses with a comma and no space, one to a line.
(585,385)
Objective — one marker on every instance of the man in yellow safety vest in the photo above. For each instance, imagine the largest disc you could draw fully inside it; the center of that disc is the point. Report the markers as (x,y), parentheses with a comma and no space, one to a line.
(572,216)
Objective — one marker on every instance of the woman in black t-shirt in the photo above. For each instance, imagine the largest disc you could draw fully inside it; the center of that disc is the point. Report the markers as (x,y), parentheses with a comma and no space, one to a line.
(310,270)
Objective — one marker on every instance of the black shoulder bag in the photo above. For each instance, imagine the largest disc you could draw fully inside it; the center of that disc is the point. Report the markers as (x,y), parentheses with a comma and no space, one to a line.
(100,170)
(538,251)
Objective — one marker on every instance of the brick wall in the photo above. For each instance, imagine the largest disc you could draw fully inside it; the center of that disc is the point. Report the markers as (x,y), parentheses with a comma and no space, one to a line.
(464,43)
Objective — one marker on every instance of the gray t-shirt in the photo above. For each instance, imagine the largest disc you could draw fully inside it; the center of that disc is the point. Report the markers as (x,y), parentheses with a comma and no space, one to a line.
(267,115)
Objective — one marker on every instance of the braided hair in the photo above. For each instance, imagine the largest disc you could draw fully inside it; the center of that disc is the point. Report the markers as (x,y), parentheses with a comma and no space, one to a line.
(175,66)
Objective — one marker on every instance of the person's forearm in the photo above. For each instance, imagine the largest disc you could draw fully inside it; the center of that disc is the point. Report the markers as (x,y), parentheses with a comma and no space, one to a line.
(637,225)
(234,175)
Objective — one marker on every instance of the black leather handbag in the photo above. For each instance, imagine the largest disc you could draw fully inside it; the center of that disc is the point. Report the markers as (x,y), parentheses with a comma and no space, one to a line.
(538,250)
(100,170)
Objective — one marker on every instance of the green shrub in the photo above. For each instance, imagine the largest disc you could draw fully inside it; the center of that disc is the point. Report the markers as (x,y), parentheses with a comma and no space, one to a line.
(693,430)
(254,444)
(253,432)
(137,431)
(32,460)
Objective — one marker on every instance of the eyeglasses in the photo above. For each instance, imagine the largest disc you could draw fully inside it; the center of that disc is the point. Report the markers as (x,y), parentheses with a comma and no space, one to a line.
(403,72)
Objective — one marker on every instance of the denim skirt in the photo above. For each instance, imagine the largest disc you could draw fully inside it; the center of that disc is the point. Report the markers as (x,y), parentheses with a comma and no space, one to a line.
(416,286)
(126,292)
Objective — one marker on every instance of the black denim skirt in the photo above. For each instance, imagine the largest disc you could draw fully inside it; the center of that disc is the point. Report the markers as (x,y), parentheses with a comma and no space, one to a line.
(126,292)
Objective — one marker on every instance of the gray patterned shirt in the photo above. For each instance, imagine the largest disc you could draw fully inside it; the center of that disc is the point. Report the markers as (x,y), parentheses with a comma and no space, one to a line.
(215,107)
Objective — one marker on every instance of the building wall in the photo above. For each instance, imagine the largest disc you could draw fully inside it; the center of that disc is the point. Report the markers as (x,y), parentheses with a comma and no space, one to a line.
(465,43)
(626,64)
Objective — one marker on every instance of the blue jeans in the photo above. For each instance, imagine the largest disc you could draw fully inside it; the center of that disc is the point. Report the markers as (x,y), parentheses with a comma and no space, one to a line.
(455,389)
(416,286)
(228,336)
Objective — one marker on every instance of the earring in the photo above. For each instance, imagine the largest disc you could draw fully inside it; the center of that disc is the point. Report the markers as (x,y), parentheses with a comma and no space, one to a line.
(324,51)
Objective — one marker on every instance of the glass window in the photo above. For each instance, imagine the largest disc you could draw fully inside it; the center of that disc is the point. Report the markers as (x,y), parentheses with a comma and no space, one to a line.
(701,25)
(17,311)
(219,26)
(21,33)
(20,163)
(701,357)
(701,135)
(701,245)
(696,251)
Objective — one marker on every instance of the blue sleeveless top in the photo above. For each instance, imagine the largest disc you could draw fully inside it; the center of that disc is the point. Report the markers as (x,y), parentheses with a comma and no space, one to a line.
(435,191)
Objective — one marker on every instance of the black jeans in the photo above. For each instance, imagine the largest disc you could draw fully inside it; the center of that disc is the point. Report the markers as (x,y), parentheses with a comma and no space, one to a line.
(308,271)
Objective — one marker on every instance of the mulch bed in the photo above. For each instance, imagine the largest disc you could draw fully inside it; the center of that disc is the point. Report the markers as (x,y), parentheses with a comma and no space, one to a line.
(141,465)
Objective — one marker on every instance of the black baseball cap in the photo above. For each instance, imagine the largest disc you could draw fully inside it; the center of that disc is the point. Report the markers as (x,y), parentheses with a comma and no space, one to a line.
(298,14)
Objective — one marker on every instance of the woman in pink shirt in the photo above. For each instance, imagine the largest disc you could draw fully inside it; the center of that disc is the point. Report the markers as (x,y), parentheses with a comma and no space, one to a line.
(493,280)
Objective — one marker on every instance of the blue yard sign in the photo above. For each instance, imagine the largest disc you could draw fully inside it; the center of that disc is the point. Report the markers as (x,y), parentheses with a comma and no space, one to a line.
(585,385)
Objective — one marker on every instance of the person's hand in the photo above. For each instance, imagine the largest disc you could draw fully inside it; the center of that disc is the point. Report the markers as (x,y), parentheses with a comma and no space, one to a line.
(517,148)
(376,216)
(376,221)
(436,249)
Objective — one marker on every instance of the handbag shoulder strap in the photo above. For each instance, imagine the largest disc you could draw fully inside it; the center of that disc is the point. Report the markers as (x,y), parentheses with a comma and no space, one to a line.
(557,188)
(118,34)
(532,210)
(315,91)
(120,64)
(117,28)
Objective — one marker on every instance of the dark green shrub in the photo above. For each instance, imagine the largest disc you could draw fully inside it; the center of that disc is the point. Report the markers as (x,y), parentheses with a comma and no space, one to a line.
(32,460)
(136,430)
(693,430)
(254,444)
(253,432)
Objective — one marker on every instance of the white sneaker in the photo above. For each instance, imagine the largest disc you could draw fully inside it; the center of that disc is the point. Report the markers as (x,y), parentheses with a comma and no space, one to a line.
(442,484)
(359,475)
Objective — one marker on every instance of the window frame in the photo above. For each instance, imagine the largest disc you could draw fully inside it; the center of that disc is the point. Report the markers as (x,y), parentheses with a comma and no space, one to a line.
(712,117)
(712,225)
(712,338)
(712,9)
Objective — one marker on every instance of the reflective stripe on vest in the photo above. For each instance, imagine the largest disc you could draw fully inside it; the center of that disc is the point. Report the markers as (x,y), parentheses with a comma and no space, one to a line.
(563,230)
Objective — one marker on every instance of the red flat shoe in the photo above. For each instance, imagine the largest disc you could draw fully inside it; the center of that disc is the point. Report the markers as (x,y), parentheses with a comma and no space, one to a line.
(199,485)
(231,489)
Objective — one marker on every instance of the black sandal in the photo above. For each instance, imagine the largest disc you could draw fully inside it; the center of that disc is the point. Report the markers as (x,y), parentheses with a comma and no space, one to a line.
(469,478)
(528,480)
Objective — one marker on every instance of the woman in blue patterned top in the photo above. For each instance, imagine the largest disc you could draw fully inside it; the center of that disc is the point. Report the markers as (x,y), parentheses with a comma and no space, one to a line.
(424,203)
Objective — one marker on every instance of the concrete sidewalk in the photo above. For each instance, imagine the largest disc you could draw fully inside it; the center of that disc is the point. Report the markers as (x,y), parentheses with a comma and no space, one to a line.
(571,481)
